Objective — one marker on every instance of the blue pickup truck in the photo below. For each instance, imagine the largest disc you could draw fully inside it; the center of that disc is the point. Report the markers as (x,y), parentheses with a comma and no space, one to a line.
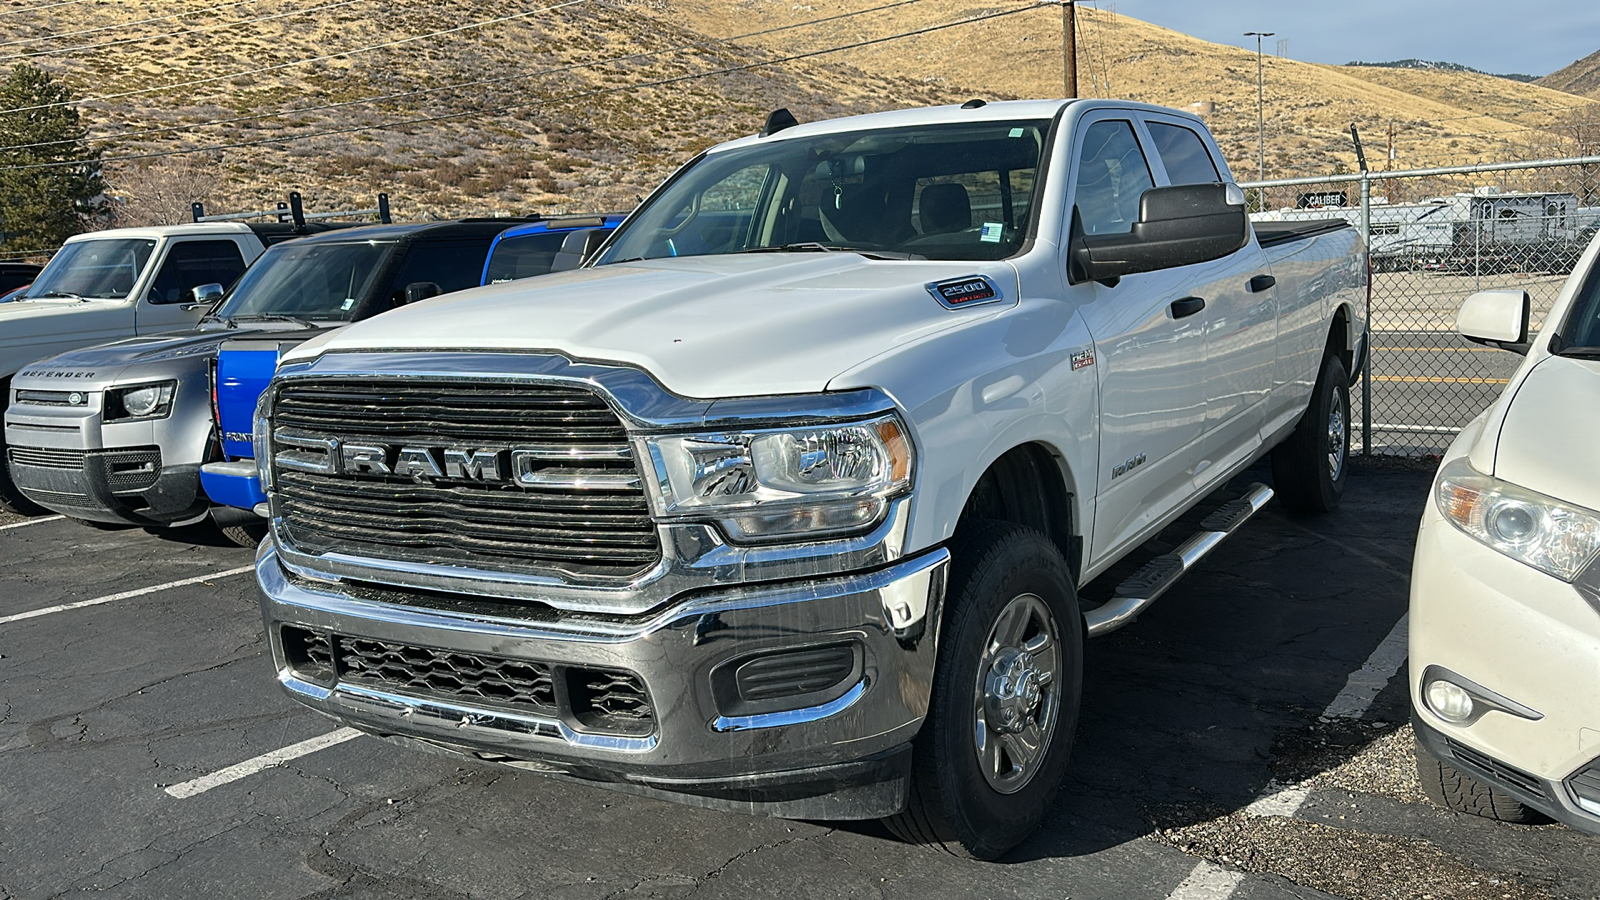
(244,366)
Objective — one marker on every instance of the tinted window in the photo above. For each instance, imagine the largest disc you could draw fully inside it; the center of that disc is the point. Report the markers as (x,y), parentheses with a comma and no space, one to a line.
(105,269)
(193,263)
(523,256)
(452,265)
(1184,154)
(1112,176)
(1582,328)
(323,281)
(950,191)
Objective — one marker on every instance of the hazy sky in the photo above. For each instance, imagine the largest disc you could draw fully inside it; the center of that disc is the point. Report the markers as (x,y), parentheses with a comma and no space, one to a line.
(1532,38)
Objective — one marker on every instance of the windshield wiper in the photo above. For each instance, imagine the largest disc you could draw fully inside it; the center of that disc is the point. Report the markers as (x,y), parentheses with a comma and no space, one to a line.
(273,317)
(1579,352)
(818,247)
(65,295)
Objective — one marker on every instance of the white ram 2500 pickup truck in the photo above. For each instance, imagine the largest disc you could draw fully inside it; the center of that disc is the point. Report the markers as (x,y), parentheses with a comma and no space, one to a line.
(782,502)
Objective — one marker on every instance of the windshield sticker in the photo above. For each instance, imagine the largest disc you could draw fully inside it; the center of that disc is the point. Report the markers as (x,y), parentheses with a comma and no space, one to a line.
(969,291)
(1016,132)
(991,232)
(348,302)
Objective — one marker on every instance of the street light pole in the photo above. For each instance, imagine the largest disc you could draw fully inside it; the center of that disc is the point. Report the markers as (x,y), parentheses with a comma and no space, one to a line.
(1261,131)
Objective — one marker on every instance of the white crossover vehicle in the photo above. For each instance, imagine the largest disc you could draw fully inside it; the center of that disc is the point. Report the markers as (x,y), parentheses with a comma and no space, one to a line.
(1505,590)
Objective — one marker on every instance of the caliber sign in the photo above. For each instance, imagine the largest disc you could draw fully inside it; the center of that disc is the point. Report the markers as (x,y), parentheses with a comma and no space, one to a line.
(969,291)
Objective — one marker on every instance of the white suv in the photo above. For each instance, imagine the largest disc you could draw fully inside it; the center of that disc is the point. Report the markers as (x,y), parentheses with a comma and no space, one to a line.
(1505,588)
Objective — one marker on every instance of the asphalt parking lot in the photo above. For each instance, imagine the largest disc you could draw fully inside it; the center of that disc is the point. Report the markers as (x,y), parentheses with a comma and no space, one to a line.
(1244,739)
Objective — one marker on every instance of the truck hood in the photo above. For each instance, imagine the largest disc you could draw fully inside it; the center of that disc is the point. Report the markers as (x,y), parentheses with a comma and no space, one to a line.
(137,357)
(705,327)
(1551,429)
(25,319)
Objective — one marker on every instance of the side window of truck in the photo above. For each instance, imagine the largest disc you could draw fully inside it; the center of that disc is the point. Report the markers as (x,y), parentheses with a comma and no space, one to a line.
(193,263)
(1112,175)
(1183,153)
(452,265)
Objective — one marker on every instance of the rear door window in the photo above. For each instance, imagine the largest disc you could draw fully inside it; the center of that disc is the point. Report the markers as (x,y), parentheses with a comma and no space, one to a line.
(1183,154)
(523,256)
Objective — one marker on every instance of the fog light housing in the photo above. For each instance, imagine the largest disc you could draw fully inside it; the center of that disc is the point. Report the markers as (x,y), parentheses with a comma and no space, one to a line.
(1450,702)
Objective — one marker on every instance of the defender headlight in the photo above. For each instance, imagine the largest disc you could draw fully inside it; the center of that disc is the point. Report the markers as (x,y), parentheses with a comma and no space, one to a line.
(1554,537)
(145,401)
(772,483)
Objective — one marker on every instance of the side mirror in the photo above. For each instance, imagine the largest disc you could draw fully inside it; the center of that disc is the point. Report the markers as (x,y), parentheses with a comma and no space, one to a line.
(578,246)
(421,290)
(206,293)
(1498,318)
(1179,225)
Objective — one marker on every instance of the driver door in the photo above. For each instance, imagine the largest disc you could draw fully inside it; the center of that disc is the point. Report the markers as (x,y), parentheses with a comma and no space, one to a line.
(1149,348)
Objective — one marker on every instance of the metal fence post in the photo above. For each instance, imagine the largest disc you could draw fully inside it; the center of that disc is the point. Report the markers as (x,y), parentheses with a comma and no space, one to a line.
(1366,358)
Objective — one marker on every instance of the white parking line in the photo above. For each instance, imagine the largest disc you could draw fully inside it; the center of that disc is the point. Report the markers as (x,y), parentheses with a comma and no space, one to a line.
(1209,881)
(237,771)
(125,595)
(31,522)
(1367,682)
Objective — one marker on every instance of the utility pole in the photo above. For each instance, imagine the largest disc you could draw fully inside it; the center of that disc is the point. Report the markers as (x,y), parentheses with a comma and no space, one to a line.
(1388,166)
(1069,47)
(1261,127)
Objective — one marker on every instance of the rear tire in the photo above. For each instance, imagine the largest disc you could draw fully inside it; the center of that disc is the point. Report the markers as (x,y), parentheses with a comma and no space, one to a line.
(994,747)
(1445,785)
(1310,468)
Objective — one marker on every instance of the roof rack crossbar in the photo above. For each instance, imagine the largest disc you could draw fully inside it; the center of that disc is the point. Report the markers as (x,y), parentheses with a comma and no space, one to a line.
(294,211)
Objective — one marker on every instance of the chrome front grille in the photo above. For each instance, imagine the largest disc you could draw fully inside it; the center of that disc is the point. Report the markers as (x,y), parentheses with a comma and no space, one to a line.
(576,509)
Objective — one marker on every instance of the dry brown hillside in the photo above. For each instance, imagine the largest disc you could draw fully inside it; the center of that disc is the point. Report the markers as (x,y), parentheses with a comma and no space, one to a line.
(1582,77)
(1441,118)
(566,105)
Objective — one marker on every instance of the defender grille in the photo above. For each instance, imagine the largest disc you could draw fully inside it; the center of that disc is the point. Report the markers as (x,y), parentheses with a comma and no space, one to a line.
(47,457)
(589,519)
(596,699)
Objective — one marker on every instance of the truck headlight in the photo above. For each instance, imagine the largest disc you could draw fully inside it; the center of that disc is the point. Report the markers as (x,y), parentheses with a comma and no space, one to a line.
(773,483)
(1554,537)
(144,401)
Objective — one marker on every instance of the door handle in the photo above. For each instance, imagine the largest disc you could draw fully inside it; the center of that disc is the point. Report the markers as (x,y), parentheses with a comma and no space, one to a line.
(191,307)
(1261,283)
(1188,306)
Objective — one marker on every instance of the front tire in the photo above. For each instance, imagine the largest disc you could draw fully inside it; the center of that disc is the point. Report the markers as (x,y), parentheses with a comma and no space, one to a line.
(1309,469)
(1445,785)
(995,744)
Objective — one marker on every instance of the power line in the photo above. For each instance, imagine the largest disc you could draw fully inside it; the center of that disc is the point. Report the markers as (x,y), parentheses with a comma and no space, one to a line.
(423,120)
(299,62)
(151,37)
(67,34)
(34,9)
(295,110)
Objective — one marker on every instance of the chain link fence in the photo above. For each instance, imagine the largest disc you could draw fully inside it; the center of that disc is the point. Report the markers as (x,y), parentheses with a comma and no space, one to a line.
(1436,236)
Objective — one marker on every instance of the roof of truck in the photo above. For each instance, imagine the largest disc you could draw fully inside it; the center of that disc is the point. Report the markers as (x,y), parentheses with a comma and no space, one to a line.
(410,230)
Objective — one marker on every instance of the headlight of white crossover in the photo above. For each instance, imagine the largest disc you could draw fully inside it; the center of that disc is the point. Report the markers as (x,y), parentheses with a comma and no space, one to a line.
(145,401)
(772,483)
(1553,537)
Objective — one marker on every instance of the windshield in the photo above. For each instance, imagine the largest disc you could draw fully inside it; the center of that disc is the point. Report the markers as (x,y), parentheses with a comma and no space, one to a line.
(105,269)
(1582,327)
(311,281)
(932,191)
(523,256)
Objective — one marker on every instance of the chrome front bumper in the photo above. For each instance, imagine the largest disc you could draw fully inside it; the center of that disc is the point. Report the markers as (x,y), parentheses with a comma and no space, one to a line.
(837,752)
